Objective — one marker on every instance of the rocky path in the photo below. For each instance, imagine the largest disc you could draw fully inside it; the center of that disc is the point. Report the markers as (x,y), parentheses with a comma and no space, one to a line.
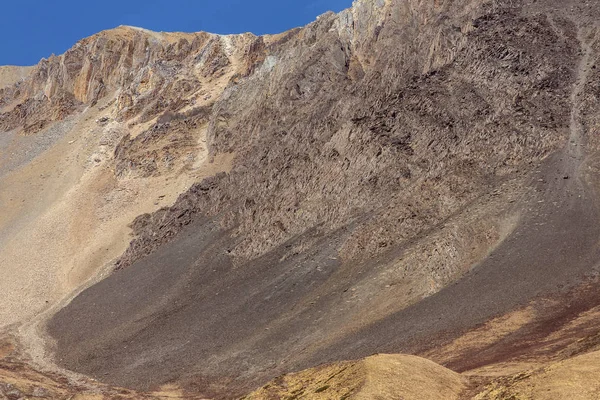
(577,130)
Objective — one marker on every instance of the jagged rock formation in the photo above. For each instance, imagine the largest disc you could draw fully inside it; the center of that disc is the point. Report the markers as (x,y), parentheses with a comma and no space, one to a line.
(301,198)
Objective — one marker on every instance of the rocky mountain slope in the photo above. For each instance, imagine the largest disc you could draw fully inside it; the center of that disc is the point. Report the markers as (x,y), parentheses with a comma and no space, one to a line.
(214,211)
(10,75)
(70,140)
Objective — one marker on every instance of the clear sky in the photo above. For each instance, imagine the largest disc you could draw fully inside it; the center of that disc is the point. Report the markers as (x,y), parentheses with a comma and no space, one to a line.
(32,29)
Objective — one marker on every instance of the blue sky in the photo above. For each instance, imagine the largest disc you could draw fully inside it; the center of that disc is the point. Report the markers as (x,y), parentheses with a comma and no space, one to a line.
(32,29)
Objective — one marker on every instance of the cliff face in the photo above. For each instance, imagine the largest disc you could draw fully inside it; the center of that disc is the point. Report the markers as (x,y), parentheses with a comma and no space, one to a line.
(291,195)
(142,69)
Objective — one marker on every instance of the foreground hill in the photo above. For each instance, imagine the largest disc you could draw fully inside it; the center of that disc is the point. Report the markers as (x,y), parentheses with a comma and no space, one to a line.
(212,212)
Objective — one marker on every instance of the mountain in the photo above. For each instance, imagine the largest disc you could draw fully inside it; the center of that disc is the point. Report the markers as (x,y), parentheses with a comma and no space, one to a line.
(212,213)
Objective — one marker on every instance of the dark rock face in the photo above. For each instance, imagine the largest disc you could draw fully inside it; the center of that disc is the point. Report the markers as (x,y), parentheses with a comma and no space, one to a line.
(369,146)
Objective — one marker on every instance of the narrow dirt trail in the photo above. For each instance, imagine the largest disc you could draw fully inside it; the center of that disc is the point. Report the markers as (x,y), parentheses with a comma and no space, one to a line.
(553,248)
(577,131)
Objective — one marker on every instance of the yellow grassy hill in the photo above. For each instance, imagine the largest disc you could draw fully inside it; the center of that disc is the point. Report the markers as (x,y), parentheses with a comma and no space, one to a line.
(378,377)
